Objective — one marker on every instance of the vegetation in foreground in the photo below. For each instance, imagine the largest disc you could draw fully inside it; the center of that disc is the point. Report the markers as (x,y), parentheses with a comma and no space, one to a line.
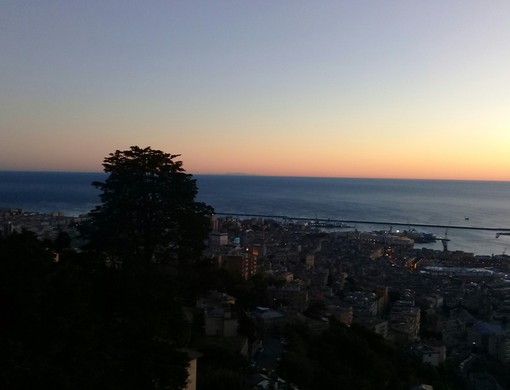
(109,317)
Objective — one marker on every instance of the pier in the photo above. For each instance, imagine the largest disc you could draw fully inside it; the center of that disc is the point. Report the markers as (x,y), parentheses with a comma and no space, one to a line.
(353,221)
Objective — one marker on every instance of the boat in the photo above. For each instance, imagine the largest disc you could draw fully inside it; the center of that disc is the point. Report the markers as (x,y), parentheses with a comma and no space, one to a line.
(420,237)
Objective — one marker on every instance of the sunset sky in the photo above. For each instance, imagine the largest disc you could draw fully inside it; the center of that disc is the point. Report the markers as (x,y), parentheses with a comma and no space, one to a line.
(395,89)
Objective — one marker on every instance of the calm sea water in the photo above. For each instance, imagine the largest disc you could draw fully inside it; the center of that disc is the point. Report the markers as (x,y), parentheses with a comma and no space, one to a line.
(449,203)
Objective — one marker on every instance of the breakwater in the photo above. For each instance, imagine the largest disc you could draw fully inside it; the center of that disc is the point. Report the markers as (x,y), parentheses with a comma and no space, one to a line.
(348,221)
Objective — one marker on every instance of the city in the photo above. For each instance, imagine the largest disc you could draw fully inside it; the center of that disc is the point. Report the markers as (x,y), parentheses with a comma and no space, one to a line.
(440,306)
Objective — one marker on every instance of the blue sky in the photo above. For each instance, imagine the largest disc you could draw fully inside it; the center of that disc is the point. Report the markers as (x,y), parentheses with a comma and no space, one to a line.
(362,88)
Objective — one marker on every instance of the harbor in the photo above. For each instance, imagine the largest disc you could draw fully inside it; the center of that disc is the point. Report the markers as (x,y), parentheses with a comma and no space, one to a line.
(346,222)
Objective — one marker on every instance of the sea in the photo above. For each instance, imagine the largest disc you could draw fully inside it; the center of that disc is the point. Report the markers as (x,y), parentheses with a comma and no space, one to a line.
(397,204)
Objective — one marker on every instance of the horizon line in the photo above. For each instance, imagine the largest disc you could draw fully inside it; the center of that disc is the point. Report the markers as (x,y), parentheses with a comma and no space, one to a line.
(265,175)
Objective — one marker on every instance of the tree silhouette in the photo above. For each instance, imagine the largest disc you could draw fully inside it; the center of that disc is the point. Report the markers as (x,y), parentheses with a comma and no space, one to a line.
(109,317)
(148,211)
(148,227)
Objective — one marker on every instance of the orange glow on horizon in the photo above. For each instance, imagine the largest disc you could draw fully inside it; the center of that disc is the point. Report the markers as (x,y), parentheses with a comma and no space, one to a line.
(356,97)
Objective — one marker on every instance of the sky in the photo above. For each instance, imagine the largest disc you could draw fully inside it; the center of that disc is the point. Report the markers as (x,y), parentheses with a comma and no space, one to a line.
(382,89)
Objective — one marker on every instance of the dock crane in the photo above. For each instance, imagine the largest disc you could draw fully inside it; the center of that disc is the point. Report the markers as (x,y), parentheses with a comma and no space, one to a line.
(444,240)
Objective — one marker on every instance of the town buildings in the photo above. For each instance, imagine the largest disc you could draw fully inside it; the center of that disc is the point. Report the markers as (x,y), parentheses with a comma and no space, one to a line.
(443,305)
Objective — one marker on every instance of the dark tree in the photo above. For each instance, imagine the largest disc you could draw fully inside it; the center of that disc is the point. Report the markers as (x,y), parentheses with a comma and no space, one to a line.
(82,323)
(70,325)
(148,211)
(221,369)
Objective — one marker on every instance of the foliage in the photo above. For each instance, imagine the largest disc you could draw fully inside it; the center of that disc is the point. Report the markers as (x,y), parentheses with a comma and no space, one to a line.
(253,292)
(354,358)
(247,327)
(79,324)
(222,369)
(488,366)
(109,317)
(148,210)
